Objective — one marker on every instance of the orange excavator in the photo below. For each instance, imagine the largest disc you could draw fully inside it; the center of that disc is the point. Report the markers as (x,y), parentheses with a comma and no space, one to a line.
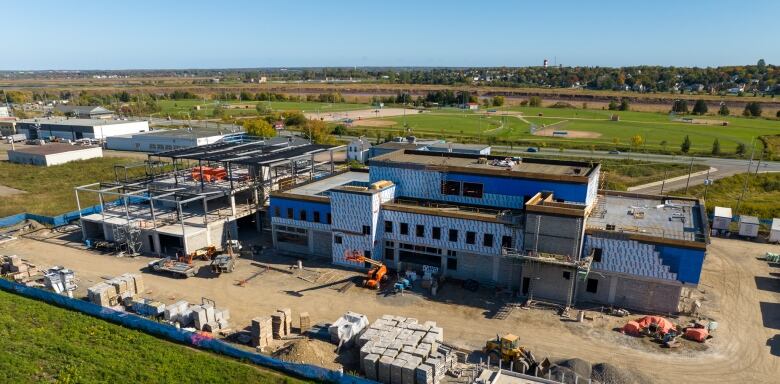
(376,273)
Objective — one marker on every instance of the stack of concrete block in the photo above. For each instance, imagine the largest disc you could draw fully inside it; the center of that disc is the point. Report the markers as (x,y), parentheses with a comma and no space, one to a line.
(116,290)
(348,328)
(177,313)
(17,268)
(207,317)
(280,324)
(148,307)
(399,350)
(261,331)
(305,321)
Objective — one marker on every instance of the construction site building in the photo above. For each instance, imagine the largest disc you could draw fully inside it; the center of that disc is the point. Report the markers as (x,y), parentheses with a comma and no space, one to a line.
(189,198)
(541,227)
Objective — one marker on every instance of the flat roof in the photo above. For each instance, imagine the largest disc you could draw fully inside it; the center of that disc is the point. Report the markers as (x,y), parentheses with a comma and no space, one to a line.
(50,149)
(748,219)
(498,165)
(76,122)
(459,146)
(180,133)
(722,212)
(317,188)
(660,217)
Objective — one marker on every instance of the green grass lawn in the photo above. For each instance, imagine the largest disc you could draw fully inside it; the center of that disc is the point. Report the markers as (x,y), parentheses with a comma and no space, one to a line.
(660,132)
(50,189)
(182,107)
(761,198)
(41,343)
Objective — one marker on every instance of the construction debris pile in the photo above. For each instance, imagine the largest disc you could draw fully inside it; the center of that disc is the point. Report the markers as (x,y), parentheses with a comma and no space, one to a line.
(116,291)
(664,330)
(16,268)
(60,280)
(400,350)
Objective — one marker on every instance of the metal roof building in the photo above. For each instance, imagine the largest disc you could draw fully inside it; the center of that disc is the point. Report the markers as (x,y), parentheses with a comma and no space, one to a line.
(75,129)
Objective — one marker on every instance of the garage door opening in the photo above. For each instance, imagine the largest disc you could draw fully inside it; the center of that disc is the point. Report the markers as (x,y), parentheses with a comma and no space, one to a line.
(170,245)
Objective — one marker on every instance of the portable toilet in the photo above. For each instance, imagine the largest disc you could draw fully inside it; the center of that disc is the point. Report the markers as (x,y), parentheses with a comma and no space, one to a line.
(748,226)
(722,219)
(774,233)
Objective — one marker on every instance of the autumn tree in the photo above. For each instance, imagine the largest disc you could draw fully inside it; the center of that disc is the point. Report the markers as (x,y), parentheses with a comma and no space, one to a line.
(636,141)
(317,131)
(535,101)
(498,101)
(259,127)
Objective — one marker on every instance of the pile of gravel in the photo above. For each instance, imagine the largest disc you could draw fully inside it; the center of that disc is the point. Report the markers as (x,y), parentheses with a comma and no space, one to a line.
(606,373)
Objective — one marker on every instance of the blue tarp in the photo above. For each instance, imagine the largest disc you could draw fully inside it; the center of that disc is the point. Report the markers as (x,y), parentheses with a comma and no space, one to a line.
(179,335)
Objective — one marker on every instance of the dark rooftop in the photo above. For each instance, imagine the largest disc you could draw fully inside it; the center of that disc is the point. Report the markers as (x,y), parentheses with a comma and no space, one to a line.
(50,149)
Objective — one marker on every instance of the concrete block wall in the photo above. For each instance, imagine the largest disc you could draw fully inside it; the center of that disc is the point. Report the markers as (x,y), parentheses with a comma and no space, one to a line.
(629,257)
(560,235)
(547,281)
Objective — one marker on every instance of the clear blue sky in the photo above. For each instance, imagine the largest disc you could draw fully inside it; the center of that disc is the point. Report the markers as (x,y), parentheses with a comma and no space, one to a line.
(220,34)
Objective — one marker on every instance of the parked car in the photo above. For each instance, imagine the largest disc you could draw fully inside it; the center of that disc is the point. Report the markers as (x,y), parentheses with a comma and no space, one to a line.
(614,152)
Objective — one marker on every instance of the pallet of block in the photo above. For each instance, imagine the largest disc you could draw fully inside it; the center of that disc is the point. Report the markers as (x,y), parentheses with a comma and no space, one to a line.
(17,269)
(115,291)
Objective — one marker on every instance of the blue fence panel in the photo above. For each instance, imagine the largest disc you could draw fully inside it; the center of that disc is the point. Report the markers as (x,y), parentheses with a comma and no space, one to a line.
(54,221)
(172,333)
(12,220)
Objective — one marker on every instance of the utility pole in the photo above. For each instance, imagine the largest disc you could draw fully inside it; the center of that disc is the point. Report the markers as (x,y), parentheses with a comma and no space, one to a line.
(663,182)
(690,168)
(707,183)
(747,176)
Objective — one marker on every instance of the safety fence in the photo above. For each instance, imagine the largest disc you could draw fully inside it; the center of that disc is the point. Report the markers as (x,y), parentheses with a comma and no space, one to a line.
(65,218)
(172,333)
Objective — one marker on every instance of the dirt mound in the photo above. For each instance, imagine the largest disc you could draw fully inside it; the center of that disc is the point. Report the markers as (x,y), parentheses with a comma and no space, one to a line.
(581,367)
(606,373)
(316,352)
(553,132)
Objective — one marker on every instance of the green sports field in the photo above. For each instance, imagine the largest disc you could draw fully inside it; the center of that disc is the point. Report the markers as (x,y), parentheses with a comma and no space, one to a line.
(660,132)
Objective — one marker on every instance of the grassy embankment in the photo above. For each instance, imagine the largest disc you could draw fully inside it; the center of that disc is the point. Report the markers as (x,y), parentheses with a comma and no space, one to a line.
(762,197)
(180,108)
(41,343)
(49,190)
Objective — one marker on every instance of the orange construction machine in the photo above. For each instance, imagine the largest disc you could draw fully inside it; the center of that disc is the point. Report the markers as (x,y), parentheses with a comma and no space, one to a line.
(376,273)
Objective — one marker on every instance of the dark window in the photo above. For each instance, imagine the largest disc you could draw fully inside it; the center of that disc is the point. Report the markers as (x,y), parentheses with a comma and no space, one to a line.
(302,214)
(329,218)
(506,241)
(289,213)
(388,226)
(566,275)
(451,253)
(452,264)
(420,230)
(593,286)
(292,238)
(337,239)
(404,229)
(597,255)
(368,256)
(450,187)
(472,190)
(277,212)
(316,216)
(487,240)
(389,253)
(471,237)
(436,233)
(453,235)
(366,229)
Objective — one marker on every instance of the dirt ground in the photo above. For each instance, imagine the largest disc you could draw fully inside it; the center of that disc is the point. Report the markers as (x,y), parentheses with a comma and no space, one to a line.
(550,132)
(361,114)
(739,291)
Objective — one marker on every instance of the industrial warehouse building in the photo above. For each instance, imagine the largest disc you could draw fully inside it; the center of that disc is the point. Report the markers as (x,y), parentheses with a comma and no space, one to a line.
(84,111)
(540,227)
(52,154)
(166,140)
(75,129)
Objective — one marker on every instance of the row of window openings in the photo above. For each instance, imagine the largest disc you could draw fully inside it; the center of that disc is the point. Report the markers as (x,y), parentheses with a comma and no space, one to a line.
(465,189)
(471,237)
(452,260)
(302,215)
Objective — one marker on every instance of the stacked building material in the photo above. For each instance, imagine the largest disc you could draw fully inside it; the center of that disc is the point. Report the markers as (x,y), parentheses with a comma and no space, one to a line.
(286,320)
(348,328)
(17,268)
(117,290)
(177,313)
(395,349)
(207,317)
(304,321)
(60,280)
(261,331)
(148,307)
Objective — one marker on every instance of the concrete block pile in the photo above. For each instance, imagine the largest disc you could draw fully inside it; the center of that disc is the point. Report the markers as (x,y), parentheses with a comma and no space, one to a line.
(147,307)
(60,280)
(17,268)
(205,317)
(304,321)
(262,333)
(115,291)
(399,350)
(281,322)
(347,329)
